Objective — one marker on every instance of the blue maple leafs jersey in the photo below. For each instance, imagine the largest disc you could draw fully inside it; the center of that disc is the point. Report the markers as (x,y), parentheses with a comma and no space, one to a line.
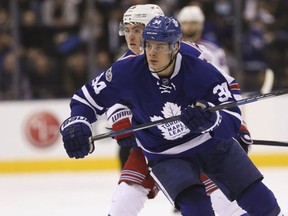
(118,111)
(150,97)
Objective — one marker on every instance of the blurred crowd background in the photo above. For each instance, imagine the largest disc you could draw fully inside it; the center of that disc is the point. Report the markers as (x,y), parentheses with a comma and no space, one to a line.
(50,48)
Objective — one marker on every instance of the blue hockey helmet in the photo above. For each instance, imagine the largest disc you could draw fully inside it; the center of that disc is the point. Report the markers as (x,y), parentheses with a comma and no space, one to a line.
(163,28)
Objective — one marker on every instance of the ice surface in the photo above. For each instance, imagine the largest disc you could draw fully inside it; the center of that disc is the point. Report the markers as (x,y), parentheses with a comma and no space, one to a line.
(89,193)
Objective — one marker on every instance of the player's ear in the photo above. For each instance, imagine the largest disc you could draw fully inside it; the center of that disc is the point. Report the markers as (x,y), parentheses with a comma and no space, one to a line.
(176,47)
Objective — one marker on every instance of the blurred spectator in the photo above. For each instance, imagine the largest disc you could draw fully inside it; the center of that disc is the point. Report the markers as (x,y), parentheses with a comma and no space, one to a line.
(7,80)
(103,62)
(61,21)
(92,26)
(254,47)
(61,30)
(5,47)
(60,13)
(33,34)
(5,22)
(277,47)
(76,73)
(115,17)
(44,79)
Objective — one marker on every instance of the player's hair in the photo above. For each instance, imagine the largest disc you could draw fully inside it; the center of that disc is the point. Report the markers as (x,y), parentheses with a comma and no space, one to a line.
(140,14)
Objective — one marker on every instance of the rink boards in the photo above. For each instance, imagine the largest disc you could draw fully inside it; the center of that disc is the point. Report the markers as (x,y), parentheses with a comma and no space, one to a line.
(30,139)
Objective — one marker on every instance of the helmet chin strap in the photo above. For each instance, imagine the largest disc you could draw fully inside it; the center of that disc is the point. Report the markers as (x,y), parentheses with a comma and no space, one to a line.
(170,62)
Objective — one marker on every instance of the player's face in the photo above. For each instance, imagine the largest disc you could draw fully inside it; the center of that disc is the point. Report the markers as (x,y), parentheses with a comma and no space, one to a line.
(158,54)
(133,36)
(191,30)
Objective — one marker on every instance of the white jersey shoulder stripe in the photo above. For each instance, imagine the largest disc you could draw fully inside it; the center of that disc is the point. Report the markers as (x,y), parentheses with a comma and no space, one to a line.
(125,57)
(81,100)
(90,99)
(235,114)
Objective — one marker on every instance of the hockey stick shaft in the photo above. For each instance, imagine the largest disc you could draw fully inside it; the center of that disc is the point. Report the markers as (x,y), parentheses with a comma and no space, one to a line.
(177,118)
(270,143)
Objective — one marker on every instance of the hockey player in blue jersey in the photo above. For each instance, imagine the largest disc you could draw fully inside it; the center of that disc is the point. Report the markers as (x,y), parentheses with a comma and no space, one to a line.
(135,184)
(164,83)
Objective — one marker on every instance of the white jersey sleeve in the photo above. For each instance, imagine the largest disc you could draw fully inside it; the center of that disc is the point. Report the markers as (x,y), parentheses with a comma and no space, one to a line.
(205,54)
(218,59)
(118,112)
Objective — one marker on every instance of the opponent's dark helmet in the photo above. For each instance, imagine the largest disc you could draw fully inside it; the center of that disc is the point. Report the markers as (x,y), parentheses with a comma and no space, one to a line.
(163,28)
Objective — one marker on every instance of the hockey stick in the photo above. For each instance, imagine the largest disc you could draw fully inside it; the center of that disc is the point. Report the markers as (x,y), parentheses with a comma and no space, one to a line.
(270,143)
(177,118)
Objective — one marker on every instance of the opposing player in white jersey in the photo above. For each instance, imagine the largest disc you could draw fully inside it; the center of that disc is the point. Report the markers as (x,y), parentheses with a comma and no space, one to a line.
(132,25)
(135,184)
(192,23)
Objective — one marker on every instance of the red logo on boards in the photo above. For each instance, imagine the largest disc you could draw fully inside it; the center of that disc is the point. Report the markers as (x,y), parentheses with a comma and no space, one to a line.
(42,129)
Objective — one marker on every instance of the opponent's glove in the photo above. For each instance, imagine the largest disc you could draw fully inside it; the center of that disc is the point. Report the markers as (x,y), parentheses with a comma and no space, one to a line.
(244,138)
(124,140)
(76,132)
(198,119)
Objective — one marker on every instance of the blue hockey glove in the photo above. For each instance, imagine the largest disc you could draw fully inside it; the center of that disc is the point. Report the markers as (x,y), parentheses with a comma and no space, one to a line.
(244,138)
(76,132)
(124,140)
(198,119)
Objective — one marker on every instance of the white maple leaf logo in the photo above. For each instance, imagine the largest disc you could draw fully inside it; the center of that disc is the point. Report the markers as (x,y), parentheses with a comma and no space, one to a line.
(171,130)
(171,109)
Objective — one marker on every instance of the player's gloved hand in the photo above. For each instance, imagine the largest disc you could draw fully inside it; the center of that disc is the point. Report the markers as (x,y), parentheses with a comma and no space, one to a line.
(244,138)
(124,140)
(198,119)
(76,132)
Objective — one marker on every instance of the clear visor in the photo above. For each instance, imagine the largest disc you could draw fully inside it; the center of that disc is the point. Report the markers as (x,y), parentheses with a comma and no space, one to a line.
(124,31)
(158,48)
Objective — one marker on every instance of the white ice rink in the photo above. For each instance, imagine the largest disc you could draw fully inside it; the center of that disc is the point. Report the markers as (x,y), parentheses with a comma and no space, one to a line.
(89,193)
